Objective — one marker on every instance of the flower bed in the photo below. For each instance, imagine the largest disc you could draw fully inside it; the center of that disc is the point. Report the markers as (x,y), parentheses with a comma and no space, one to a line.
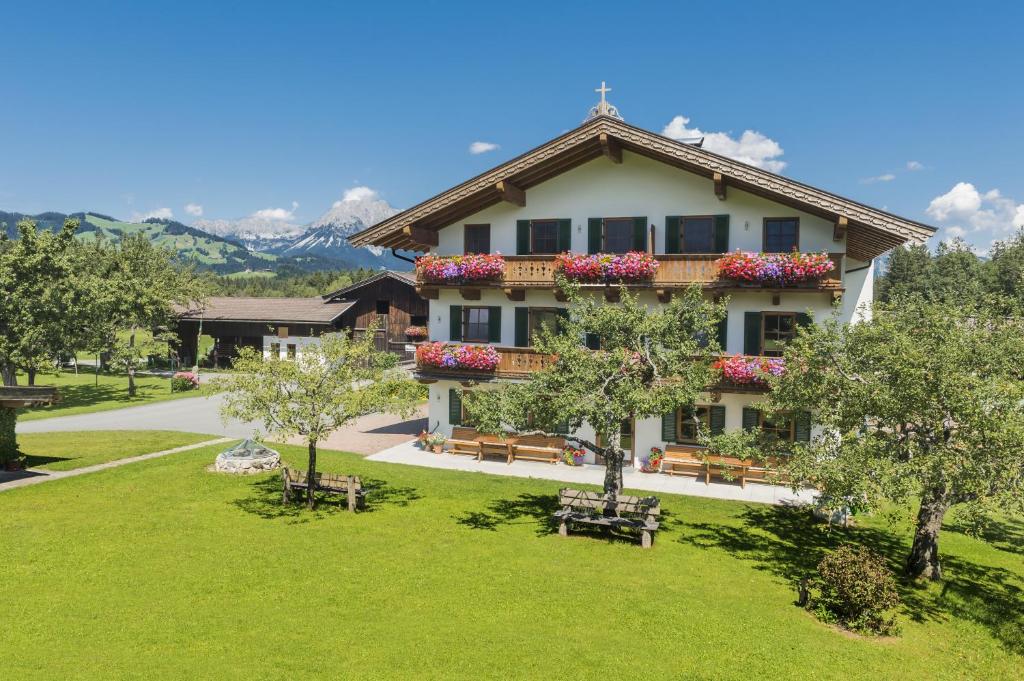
(416,331)
(451,356)
(749,370)
(461,268)
(632,266)
(780,269)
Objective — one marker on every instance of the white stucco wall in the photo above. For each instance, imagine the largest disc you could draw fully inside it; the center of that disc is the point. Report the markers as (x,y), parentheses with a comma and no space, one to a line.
(300,342)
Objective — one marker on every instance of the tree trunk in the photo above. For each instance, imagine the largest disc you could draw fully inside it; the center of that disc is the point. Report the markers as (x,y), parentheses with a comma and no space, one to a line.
(613,456)
(10,375)
(923,560)
(8,438)
(311,474)
(131,366)
(31,373)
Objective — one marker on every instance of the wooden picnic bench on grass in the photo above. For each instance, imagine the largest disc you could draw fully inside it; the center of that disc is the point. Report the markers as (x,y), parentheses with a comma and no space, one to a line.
(580,507)
(348,486)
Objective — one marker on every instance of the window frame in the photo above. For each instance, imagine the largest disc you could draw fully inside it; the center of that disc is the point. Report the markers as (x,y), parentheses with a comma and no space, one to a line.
(292,351)
(531,329)
(275,350)
(466,324)
(764,319)
(680,419)
(791,422)
(682,233)
(604,234)
(467,229)
(533,241)
(764,233)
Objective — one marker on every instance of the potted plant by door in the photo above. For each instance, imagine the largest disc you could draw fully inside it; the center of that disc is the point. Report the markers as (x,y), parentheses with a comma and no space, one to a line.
(436,442)
(652,464)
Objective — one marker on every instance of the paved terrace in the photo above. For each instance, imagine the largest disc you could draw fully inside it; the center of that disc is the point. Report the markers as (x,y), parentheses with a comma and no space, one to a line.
(409,454)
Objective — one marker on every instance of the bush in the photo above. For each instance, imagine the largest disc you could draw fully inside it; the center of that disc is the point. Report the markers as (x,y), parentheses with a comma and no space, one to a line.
(855,589)
(184,380)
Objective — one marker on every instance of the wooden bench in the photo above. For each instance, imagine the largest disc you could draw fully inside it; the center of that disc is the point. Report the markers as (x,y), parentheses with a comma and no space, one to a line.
(684,459)
(348,486)
(766,471)
(493,446)
(727,467)
(580,507)
(537,448)
(463,441)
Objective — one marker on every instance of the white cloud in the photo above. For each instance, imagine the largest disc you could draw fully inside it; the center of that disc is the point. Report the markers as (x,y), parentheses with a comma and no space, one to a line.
(980,218)
(752,147)
(914,165)
(887,177)
(161,213)
(194,209)
(276,213)
(482,147)
(361,193)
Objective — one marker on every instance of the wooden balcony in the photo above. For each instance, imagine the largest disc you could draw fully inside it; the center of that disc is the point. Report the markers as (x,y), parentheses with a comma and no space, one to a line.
(525,272)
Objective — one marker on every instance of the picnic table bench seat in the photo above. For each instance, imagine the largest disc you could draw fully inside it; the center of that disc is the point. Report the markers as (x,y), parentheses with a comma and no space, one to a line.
(580,507)
(692,459)
(469,441)
(463,441)
(348,486)
(537,448)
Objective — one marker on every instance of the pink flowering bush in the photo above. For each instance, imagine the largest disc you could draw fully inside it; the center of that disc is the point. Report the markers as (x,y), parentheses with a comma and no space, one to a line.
(460,268)
(452,356)
(749,370)
(632,266)
(184,380)
(781,269)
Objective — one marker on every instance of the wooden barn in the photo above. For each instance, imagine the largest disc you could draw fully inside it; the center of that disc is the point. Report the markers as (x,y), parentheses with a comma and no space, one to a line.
(284,326)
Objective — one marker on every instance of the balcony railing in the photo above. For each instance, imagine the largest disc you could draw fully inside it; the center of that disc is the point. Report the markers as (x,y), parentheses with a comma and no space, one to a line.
(524,272)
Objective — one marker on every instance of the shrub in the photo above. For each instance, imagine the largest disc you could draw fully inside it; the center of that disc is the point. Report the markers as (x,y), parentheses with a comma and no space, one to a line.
(183,381)
(855,589)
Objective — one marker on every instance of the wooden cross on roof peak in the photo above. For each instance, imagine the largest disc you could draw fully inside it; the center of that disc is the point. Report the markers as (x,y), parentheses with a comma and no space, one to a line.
(604,107)
(603,90)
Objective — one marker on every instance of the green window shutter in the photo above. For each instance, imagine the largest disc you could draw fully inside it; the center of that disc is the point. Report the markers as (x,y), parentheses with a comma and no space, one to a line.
(640,234)
(522,237)
(722,233)
(668,427)
(564,235)
(803,319)
(717,419)
(454,407)
(595,226)
(562,427)
(455,323)
(802,431)
(563,316)
(522,327)
(751,333)
(672,234)
(722,333)
(494,324)
(592,341)
(750,419)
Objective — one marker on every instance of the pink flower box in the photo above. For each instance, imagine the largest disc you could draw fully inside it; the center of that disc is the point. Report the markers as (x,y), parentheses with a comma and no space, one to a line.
(461,268)
(780,269)
(454,356)
(602,267)
(745,370)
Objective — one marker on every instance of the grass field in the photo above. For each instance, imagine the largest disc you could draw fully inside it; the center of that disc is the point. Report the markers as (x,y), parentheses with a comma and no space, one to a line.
(80,394)
(66,451)
(162,570)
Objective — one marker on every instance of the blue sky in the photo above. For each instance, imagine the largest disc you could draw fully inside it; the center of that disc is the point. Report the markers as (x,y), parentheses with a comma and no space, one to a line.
(131,108)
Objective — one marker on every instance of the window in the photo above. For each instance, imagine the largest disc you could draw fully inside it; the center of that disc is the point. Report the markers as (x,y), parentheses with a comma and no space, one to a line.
(778,427)
(544,237)
(383,306)
(275,351)
(618,235)
(418,320)
(543,317)
(777,329)
(291,351)
(688,420)
(475,324)
(477,239)
(781,235)
(697,235)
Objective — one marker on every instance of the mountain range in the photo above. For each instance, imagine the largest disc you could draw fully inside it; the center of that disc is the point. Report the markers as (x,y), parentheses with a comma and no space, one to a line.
(254,243)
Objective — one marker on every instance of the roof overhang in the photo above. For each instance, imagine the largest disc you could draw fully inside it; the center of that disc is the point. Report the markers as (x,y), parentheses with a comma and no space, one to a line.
(869,231)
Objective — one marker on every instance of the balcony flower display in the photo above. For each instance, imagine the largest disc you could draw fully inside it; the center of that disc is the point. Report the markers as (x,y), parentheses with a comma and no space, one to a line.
(600,267)
(461,268)
(416,331)
(454,356)
(747,370)
(779,269)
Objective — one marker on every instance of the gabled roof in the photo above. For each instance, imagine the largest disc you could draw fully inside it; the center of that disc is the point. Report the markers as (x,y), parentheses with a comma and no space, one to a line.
(269,310)
(403,277)
(870,231)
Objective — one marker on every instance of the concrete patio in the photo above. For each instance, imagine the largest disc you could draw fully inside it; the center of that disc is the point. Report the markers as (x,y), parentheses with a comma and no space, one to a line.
(409,454)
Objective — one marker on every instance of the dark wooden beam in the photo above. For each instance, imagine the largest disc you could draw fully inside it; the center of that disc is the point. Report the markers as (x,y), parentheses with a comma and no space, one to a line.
(839,231)
(469,293)
(428,292)
(516,294)
(511,193)
(560,295)
(664,295)
(719,186)
(427,237)
(610,148)
(426,381)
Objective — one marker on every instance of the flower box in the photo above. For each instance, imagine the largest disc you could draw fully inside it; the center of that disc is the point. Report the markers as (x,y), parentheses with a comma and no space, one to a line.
(416,332)
(458,269)
(607,267)
(744,370)
(454,356)
(774,269)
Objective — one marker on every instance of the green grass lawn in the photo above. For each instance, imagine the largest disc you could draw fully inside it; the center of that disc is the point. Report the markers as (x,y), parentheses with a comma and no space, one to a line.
(80,393)
(162,570)
(65,451)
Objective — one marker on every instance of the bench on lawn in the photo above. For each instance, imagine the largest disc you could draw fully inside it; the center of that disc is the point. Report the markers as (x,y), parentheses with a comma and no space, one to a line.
(348,486)
(537,448)
(463,441)
(580,507)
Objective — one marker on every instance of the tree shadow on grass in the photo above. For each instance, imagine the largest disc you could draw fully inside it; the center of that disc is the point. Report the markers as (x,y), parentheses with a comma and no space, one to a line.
(1005,534)
(83,394)
(264,500)
(789,543)
(34,460)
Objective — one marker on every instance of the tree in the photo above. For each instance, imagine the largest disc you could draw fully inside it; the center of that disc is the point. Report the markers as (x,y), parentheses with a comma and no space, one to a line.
(649,363)
(331,383)
(924,401)
(909,271)
(1006,269)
